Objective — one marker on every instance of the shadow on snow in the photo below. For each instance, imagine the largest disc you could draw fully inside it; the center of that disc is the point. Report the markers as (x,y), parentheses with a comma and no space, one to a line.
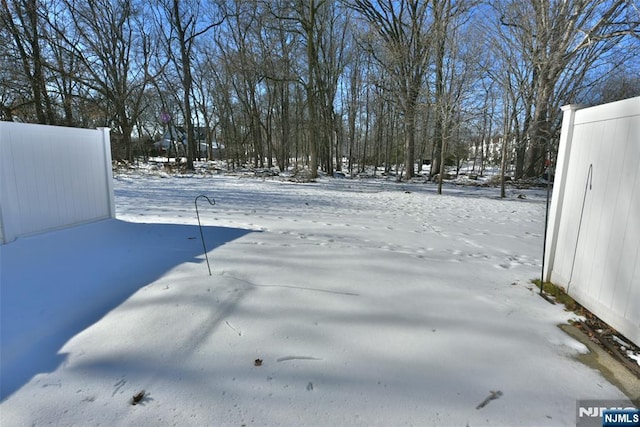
(57,284)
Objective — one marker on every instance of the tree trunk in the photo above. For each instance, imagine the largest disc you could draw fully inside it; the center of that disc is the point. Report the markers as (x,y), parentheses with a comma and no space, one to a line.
(539,135)
(410,142)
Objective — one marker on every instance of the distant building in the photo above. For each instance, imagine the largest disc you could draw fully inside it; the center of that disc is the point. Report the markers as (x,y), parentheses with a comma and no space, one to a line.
(174,141)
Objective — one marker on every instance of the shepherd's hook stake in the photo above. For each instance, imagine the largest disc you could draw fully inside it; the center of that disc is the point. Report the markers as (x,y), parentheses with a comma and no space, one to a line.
(212,202)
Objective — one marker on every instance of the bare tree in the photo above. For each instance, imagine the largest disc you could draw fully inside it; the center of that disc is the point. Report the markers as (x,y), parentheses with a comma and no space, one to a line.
(181,23)
(351,96)
(108,39)
(307,12)
(68,69)
(620,84)
(268,81)
(203,95)
(559,42)
(455,55)
(402,48)
(238,47)
(279,49)
(22,19)
(13,89)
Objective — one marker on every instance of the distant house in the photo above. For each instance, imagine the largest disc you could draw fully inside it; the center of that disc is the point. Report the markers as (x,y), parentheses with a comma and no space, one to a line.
(174,141)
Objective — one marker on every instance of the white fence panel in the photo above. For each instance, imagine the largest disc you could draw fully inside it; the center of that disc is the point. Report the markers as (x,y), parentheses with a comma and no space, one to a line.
(52,177)
(593,244)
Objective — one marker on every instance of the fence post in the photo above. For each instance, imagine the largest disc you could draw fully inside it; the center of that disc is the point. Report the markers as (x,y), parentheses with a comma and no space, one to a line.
(559,184)
(106,147)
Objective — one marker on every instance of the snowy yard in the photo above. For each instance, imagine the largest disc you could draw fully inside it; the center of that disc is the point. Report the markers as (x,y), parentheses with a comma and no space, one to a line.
(368,303)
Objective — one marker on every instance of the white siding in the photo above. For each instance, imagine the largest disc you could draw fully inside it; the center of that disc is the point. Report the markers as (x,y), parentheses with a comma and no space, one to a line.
(593,244)
(52,177)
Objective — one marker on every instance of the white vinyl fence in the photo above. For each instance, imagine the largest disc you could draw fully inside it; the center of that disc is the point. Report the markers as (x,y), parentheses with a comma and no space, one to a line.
(52,177)
(593,240)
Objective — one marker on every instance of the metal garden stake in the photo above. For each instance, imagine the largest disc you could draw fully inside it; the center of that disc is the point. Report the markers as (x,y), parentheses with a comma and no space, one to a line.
(212,203)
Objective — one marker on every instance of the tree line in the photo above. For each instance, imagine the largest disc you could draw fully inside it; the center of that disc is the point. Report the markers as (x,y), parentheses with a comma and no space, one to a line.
(312,83)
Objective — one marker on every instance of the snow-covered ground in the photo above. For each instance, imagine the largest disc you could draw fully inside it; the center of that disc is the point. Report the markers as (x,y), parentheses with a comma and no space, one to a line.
(368,303)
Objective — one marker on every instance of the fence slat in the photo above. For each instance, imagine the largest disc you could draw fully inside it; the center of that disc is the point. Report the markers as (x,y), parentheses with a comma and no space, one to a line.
(52,177)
